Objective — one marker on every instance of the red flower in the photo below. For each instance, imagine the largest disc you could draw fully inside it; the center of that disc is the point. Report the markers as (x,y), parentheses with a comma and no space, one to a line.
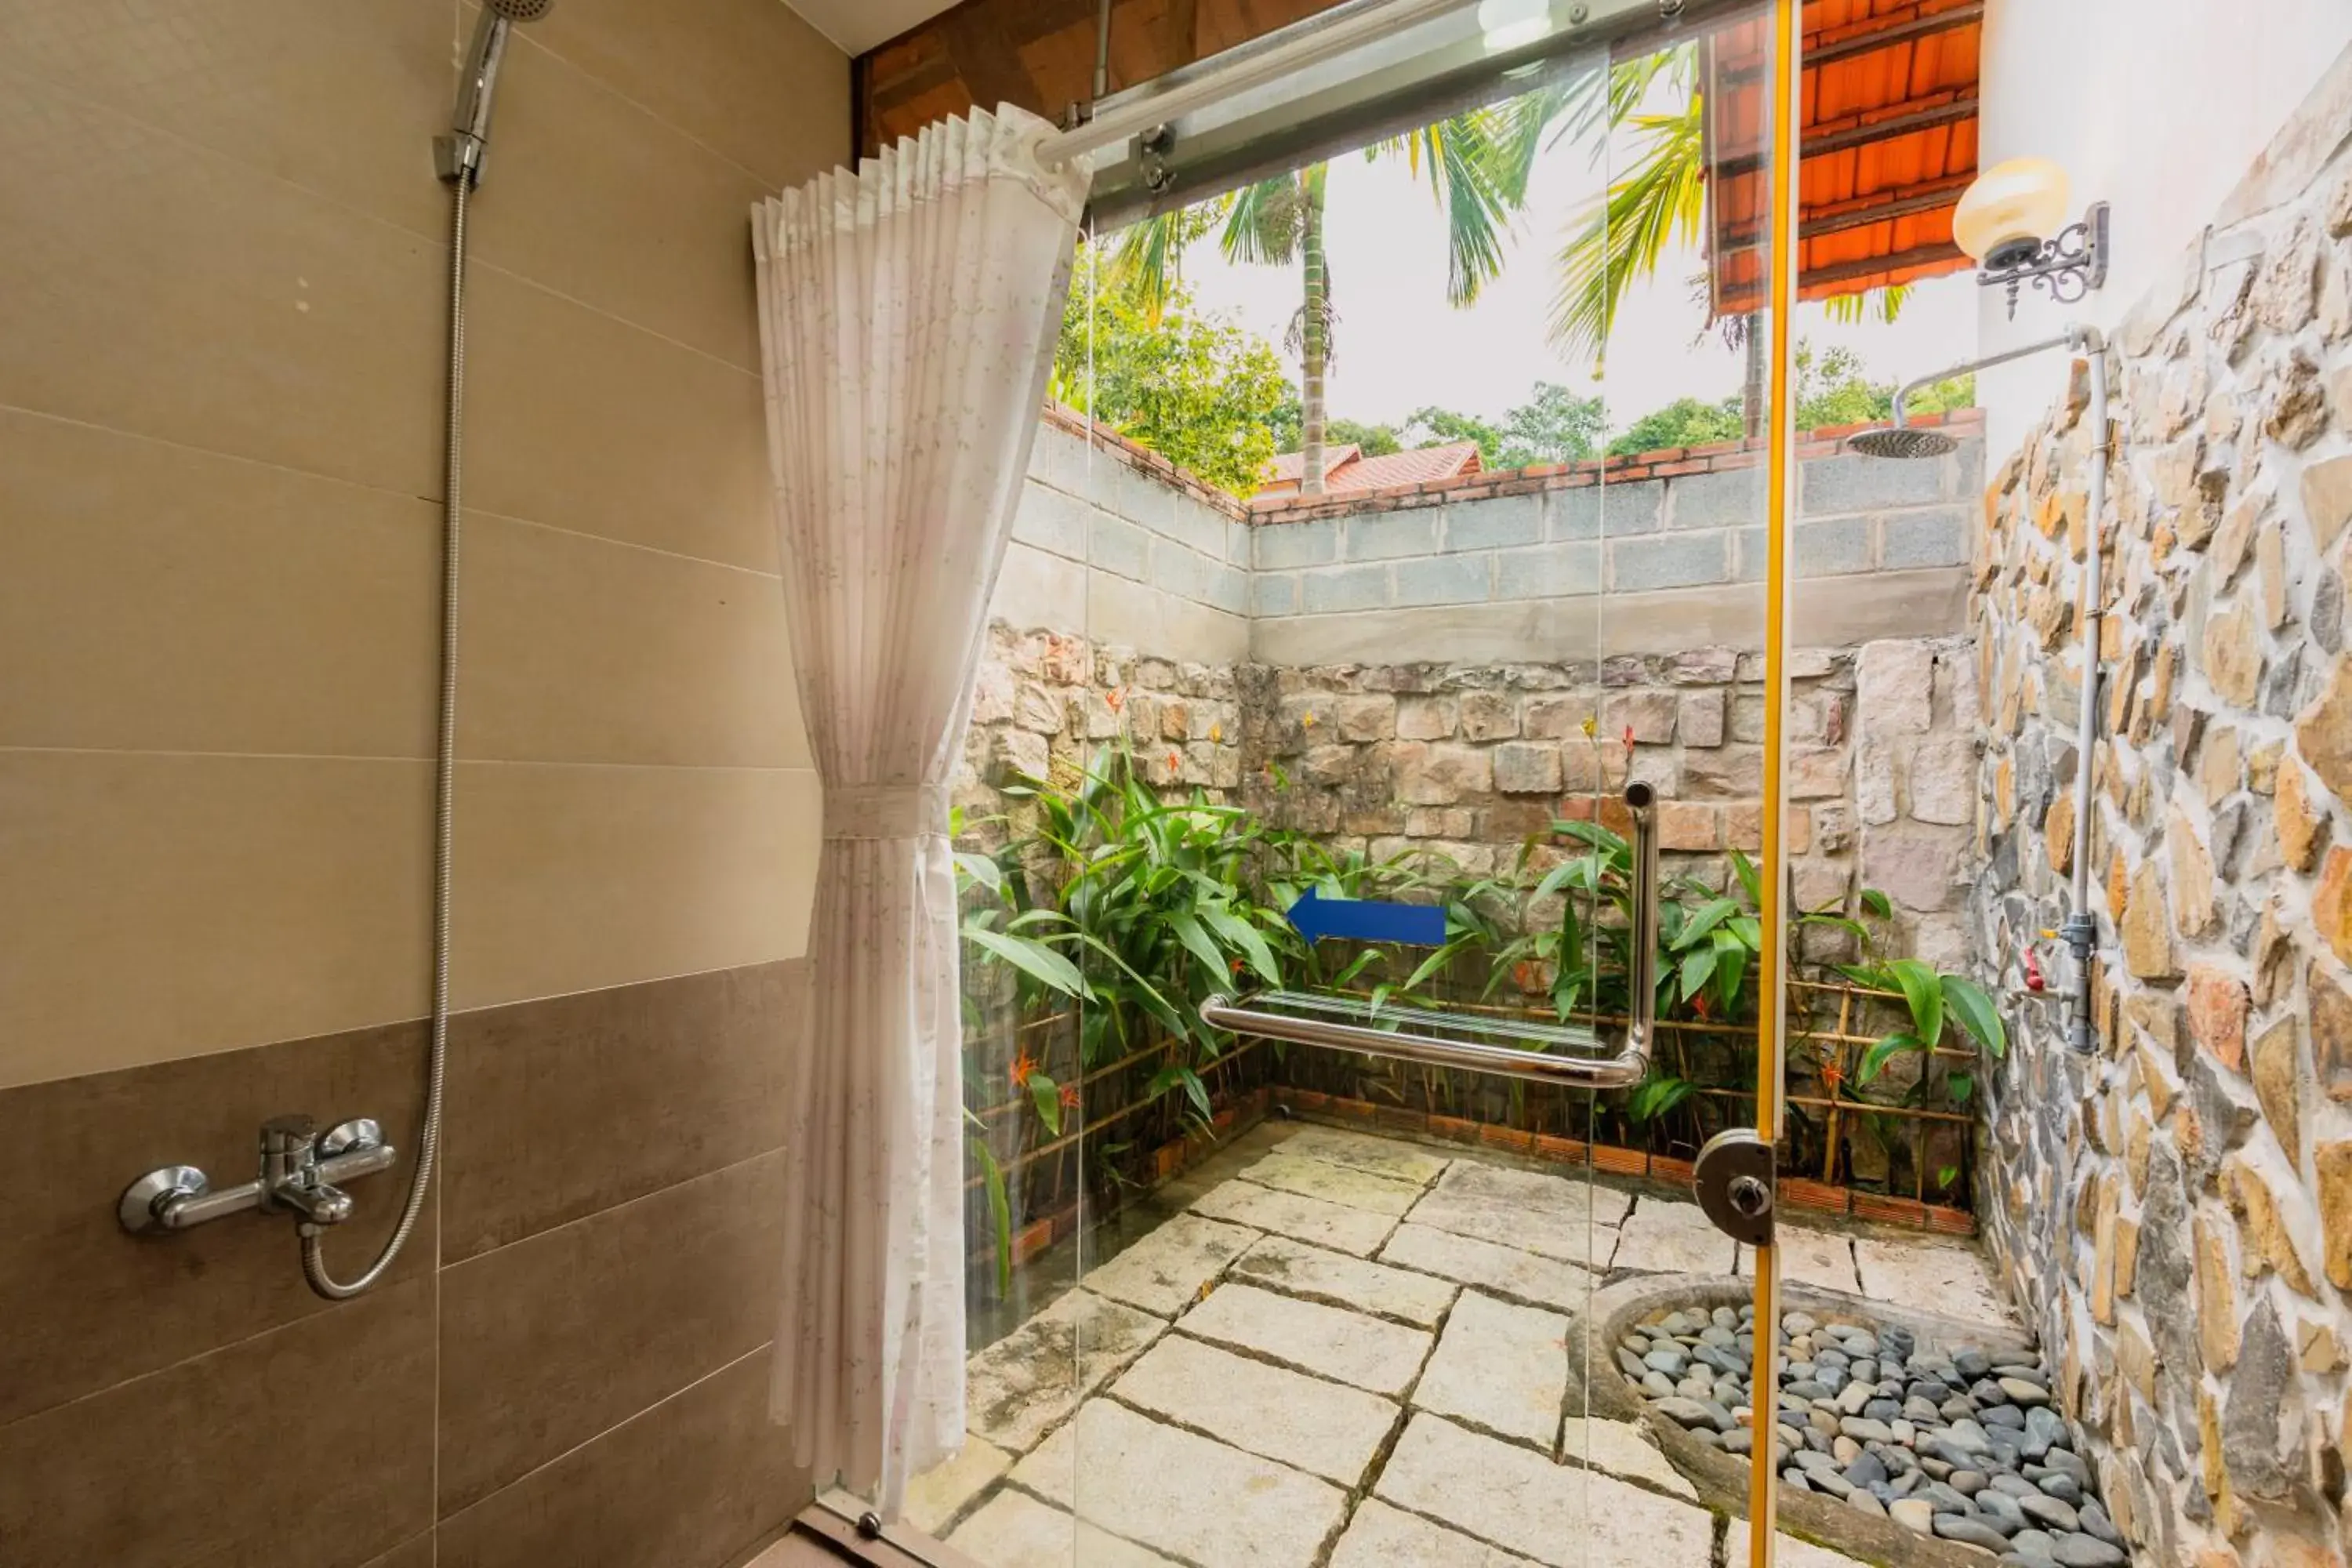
(1115,698)
(1024,1065)
(1175,760)
(1629,737)
(1069,1096)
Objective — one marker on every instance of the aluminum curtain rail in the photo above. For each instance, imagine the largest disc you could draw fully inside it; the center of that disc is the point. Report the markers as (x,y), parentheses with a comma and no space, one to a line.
(1342,1024)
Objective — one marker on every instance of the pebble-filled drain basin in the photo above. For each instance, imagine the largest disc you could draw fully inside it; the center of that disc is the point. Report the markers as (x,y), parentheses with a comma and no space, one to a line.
(1709,1320)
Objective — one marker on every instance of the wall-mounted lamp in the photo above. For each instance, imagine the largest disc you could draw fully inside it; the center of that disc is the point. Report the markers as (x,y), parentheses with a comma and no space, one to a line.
(2013,220)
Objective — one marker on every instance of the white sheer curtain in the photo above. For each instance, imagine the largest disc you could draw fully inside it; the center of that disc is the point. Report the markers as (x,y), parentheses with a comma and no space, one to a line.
(907,313)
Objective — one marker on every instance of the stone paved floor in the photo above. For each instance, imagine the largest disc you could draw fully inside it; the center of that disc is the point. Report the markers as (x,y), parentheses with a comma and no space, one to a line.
(1348,1351)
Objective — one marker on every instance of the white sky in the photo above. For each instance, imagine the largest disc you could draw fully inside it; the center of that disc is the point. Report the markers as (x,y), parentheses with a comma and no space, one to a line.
(1400,346)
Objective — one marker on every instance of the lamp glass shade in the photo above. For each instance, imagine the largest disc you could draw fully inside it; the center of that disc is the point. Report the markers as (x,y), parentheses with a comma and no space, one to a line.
(2022,201)
(1509,24)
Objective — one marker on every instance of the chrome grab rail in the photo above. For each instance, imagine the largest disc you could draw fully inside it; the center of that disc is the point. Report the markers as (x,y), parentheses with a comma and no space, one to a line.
(1625,1067)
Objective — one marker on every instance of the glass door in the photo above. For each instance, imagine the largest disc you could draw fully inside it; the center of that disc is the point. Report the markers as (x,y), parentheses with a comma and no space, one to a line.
(1377,821)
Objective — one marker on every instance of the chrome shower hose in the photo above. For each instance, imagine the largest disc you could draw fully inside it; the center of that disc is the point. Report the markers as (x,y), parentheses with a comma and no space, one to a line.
(444,789)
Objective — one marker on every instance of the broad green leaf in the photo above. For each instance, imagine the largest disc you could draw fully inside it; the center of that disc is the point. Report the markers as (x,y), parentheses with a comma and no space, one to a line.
(1876,903)
(1966,1000)
(1699,968)
(1032,958)
(1196,942)
(981,869)
(1241,934)
(1000,1207)
(1047,1095)
(1751,879)
(1703,920)
(1960,1086)
(1921,987)
(1881,1052)
(1730,968)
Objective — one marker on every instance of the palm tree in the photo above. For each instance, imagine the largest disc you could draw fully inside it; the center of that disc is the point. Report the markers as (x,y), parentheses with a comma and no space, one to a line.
(1659,201)
(1478,181)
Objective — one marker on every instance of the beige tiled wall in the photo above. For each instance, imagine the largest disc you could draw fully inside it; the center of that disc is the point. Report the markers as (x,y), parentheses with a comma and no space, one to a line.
(223,266)
(222,260)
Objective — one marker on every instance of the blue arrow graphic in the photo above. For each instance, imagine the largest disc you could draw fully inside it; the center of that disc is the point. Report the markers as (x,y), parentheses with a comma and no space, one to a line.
(1417,925)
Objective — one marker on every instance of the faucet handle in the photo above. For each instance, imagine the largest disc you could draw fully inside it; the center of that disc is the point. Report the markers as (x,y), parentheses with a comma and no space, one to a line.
(285,1135)
(359,1135)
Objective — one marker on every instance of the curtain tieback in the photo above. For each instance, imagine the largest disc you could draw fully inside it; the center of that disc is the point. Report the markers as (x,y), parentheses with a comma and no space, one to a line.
(884,811)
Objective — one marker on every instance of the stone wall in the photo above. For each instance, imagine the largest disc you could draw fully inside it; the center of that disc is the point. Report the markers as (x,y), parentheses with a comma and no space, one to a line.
(1463,761)
(2175,1211)
(1466,761)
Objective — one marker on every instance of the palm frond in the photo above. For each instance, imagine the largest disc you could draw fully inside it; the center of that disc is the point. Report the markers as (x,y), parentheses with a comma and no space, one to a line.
(1622,233)
(1264,223)
(1478,179)
(1881,305)
(1151,256)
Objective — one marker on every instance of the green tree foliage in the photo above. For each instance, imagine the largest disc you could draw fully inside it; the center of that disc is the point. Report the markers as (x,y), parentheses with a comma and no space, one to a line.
(1434,426)
(1372,440)
(1553,425)
(1831,389)
(1478,182)
(1684,422)
(1196,388)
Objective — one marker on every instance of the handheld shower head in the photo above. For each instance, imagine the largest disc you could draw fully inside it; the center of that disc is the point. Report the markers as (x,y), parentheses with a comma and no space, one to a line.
(459,156)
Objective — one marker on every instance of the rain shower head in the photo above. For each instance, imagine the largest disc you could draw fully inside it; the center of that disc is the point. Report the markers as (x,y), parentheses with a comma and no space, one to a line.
(1901,441)
(459,156)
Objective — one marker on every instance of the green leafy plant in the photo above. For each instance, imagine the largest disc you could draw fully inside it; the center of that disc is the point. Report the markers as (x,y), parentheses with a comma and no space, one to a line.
(1933,999)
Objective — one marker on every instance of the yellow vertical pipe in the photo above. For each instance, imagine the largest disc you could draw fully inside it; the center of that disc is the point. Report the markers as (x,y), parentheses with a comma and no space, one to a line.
(1781,471)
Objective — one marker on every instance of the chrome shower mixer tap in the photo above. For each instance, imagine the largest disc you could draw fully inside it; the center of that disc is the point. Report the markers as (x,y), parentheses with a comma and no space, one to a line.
(300,1175)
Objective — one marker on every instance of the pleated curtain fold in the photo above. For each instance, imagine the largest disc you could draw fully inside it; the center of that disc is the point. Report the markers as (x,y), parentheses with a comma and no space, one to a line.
(907,313)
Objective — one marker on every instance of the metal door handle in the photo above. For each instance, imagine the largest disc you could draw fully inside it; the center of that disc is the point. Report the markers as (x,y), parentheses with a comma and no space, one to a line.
(1483,1044)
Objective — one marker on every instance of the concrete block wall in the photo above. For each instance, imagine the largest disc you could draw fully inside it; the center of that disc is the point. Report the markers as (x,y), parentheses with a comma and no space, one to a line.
(1660,537)
(1109,534)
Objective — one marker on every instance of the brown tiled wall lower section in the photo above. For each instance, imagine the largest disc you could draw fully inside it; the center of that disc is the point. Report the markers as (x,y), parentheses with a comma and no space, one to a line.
(585,1374)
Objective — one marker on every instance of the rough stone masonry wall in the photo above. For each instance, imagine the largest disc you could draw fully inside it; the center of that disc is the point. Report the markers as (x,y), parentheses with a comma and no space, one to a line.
(2175,1211)
(1464,762)
(1461,761)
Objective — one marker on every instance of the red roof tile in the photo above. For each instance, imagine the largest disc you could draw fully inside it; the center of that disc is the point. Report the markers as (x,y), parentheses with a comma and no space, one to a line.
(1347,468)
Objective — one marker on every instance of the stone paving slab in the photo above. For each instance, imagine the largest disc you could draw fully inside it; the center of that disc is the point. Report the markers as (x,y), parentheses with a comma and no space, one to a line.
(1525,1209)
(1381,1156)
(1364,1352)
(1324,1428)
(1662,1236)
(1788,1552)
(1015,1530)
(1624,1449)
(1926,1276)
(1182,1494)
(1336,1279)
(1809,1257)
(1018,1387)
(1499,1367)
(1383,1537)
(1502,1271)
(1296,1215)
(1555,1514)
(1290,1173)
(1163,1272)
(938,1494)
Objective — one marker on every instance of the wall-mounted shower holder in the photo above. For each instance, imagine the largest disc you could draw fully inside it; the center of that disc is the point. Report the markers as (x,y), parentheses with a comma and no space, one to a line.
(300,1175)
